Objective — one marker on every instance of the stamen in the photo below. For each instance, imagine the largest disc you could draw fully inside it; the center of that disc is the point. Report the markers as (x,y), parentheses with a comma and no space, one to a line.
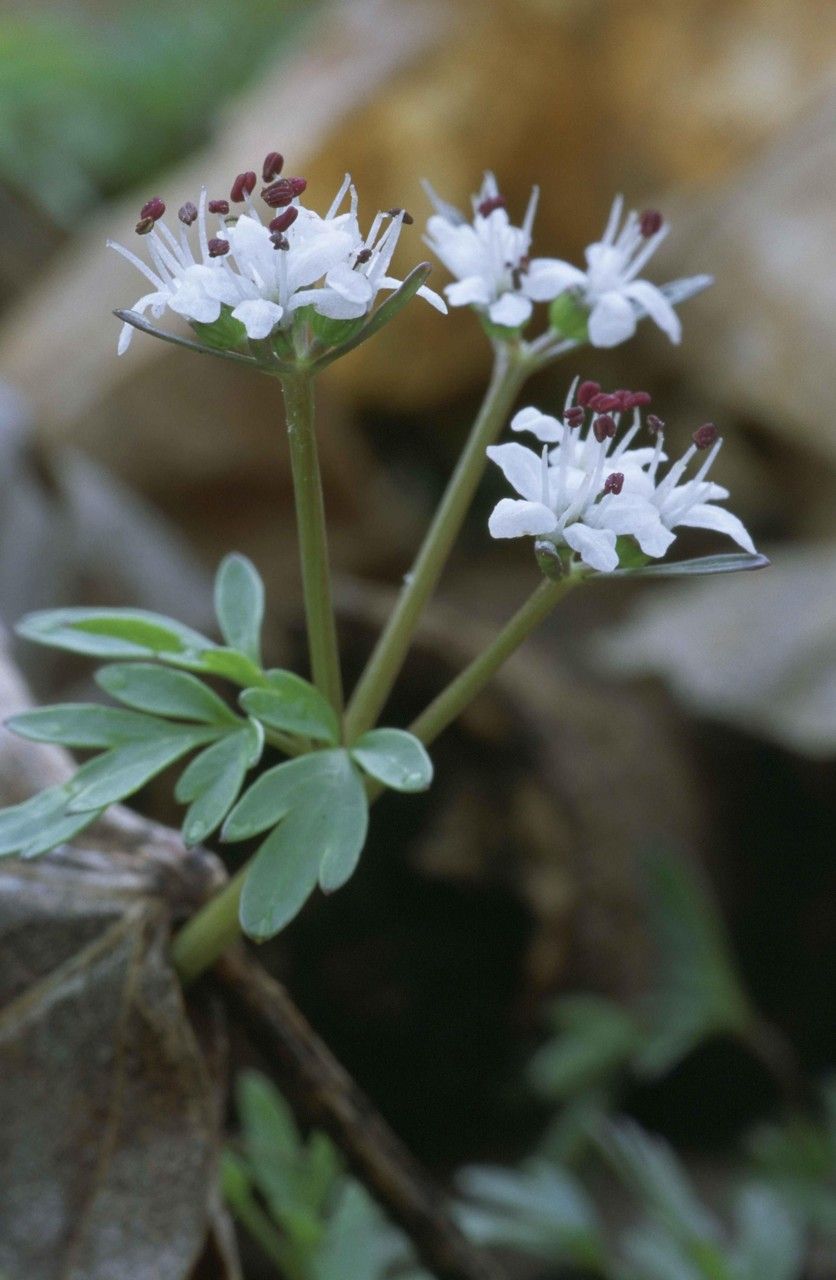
(406,218)
(487,207)
(705,435)
(243,186)
(654,425)
(279,241)
(638,399)
(217,206)
(603,403)
(187,213)
(586,391)
(144,226)
(284,220)
(603,428)
(574,417)
(544,475)
(153,209)
(650,222)
(363,257)
(614,483)
(281,193)
(273,165)
(218,247)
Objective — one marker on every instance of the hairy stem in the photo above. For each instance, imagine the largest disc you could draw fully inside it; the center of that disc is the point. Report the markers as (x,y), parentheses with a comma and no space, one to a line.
(509,372)
(313,545)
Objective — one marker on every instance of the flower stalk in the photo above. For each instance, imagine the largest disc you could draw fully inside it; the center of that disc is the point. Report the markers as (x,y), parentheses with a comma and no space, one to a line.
(510,369)
(313,545)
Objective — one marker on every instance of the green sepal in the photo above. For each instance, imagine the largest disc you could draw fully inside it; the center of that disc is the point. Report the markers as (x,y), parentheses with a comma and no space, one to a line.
(630,554)
(332,333)
(569,318)
(224,334)
(499,332)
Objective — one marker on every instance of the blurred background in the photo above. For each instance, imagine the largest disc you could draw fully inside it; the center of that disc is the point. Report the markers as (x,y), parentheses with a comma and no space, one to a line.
(639,815)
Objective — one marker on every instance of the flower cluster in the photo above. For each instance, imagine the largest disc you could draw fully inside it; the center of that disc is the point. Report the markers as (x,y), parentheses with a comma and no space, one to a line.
(495,274)
(588,487)
(263,268)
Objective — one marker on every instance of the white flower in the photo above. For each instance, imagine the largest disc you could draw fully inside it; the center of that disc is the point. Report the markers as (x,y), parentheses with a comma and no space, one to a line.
(263,271)
(351,287)
(592,488)
(490,257)
(610,288)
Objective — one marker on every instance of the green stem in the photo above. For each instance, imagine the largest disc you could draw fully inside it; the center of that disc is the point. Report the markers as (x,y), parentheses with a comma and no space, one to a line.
(444,709)
(205,937)
(509,372)
(313,546)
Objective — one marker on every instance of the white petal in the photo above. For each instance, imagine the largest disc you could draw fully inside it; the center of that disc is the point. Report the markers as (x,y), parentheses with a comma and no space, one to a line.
(433,298)
(315,256)
(654,302)
(189,299)
(596,547)
(327,302)
(722,521)
(258,316)
(542,425)
(473,290)
(513,519)
(511,310)
(547,277)
(457,246)
(522,467)
(611,321)
(349,284)
(628,514)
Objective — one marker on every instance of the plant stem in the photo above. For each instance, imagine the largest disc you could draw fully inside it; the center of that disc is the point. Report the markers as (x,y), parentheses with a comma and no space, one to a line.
(444,709)
(313,545)
(509,372)
(213,928)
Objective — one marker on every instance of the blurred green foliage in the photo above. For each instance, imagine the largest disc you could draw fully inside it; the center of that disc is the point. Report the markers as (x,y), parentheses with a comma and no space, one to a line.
(92,103)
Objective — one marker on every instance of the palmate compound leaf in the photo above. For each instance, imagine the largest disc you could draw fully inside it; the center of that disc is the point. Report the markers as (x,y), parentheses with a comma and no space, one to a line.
(41,823)
(396,758)
(213,780)
(321,808)
(163,692)
(239,605)
(118,773)
(85,725)
(294,706)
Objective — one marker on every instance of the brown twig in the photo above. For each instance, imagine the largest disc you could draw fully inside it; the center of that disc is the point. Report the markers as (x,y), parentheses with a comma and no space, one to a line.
(323,1090)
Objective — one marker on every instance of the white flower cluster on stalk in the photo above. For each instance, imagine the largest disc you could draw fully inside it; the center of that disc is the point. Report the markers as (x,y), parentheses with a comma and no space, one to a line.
(490,259)
(592,487)
(265,268)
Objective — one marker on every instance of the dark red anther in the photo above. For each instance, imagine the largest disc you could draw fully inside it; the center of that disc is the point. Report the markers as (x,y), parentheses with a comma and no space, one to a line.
(405,217)
(603,428)
(604,403)
(243,186)
(281,192)
(487,206)
(650,222)
(705,436)
(218,206)
(363,256)
(187,213)
(144,226)
(284,220)
(218,247)
(153,209)
(614,483)
(654,425)
(273,165)
(279,240)
(586,391)
(638,399)
(575,416)
(624,397)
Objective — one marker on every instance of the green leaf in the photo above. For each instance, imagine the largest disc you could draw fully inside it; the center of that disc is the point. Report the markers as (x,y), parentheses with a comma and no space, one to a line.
(321,837)
(110,633)
(122,771)
(230,664)
(148,687)
(293,705)
(275,793)
(595,1038)
(394,757)
(85,724)
(239,605)
(40,823)
(732,562)
(213,780)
